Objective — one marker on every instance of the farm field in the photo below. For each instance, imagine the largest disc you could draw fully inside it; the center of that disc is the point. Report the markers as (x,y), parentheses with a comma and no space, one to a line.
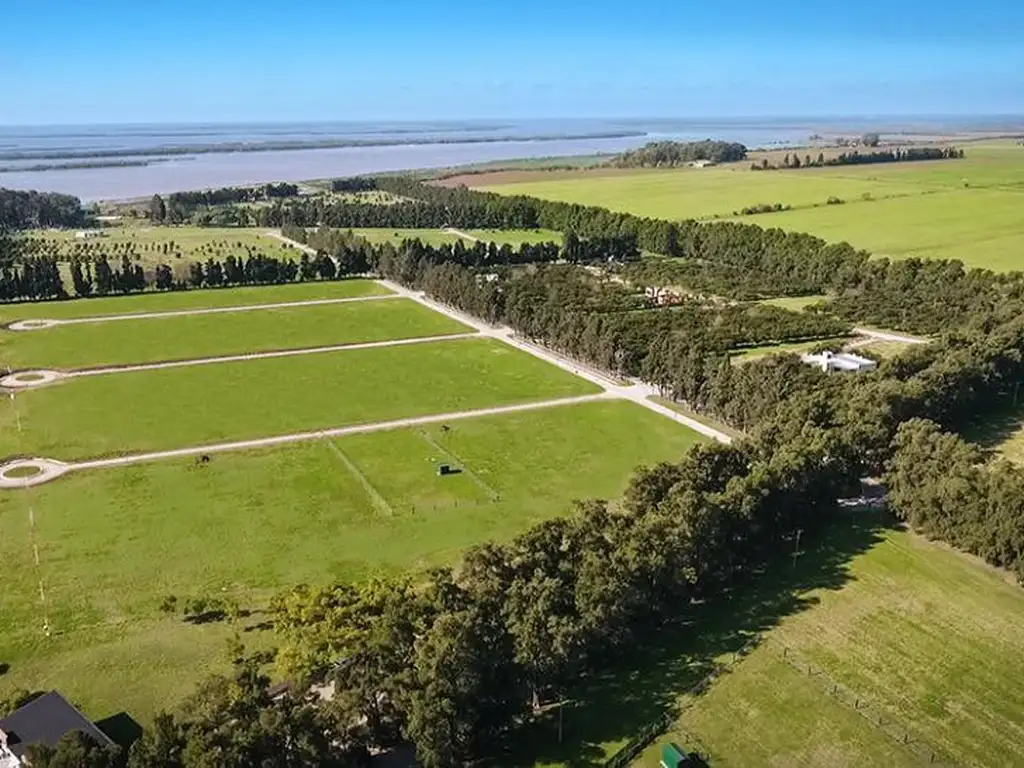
(924,637)
(113,543)
(166,244)
(968,209)
(194,336)
(188,406)
(174,301)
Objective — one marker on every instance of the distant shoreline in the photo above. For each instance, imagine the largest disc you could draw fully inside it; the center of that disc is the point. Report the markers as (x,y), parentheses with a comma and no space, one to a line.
(293,146)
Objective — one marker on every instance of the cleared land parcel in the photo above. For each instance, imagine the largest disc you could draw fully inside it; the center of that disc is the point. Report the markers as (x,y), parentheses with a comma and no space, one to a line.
(178,407)
(113,543)
(180,337)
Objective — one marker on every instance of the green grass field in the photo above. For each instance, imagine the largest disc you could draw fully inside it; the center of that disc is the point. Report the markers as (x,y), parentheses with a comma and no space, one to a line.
(185,300)
(194,336)
(968,209)
(924,637)
(167,245)
(114,542)
(747,354)
(177,407)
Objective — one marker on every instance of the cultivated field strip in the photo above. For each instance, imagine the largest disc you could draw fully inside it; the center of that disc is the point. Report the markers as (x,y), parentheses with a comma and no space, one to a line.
(52,469)
(28,379)
(44,323)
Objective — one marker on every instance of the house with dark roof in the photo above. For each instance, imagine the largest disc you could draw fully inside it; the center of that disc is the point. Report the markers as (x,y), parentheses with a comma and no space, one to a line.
(44,720)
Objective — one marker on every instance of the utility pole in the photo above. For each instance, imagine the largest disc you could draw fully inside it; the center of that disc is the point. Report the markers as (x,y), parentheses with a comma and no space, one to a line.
(796,548)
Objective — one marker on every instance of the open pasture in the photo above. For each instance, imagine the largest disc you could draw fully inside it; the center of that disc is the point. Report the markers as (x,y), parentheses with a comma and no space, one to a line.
(697,193)
(181,337)
(199,405)
(113,543)
(982,227)
(149,245)
(178,301)
(969,209)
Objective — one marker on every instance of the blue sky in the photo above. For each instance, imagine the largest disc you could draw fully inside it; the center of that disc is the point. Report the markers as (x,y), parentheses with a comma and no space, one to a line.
(73,62)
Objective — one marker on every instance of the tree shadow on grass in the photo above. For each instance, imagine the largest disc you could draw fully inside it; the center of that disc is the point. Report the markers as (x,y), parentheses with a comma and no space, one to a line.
(996,428)
(610,709)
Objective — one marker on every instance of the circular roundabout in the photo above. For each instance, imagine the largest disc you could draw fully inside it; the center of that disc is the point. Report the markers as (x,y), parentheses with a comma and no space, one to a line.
(26,379)
(24,473)
(32,325)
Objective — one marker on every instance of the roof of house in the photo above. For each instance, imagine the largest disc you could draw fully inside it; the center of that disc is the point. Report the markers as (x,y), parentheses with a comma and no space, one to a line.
(44,721)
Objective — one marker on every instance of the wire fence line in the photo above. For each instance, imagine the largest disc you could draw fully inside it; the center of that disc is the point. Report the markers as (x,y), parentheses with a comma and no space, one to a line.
(892,728)
(666,722)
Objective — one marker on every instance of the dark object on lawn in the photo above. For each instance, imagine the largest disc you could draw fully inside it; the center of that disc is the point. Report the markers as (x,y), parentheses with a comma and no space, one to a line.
(204,459)
(445,428)
(446,469)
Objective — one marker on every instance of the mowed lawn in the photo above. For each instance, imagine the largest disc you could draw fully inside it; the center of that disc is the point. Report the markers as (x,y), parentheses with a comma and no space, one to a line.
(925,637)
(179,337)
(114,542)
(176,301)
(186,406)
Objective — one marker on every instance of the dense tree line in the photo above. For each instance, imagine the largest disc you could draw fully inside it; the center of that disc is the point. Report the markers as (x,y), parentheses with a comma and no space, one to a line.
(37,210)
(225,195)
(941,485)
(669,154)
(895,155)
(354,184)
(31,278)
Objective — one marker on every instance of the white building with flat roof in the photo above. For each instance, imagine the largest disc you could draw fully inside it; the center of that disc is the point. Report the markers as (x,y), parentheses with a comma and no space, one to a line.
(839,361)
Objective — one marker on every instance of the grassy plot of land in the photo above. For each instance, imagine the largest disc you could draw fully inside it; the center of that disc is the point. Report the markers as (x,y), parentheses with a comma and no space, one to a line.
(746,354)
(395,236)
(925,639)
(969,209)
(186,300)
(195,336)
(794,303)
(177,407)
(687,193)
(164,245)
(113,543)
(981,227)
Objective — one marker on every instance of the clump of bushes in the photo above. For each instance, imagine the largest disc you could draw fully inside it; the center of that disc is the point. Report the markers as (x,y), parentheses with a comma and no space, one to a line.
(750,210)
(833,200)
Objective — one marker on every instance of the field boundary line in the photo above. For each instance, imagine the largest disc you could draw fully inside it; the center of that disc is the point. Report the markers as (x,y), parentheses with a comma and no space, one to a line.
(43,323)
(376,497)
(480,482)
(863,707)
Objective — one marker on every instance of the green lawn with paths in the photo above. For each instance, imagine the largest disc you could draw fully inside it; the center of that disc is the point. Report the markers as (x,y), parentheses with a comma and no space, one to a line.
(174,301)
(194,336)
(114,542)
(177,407)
